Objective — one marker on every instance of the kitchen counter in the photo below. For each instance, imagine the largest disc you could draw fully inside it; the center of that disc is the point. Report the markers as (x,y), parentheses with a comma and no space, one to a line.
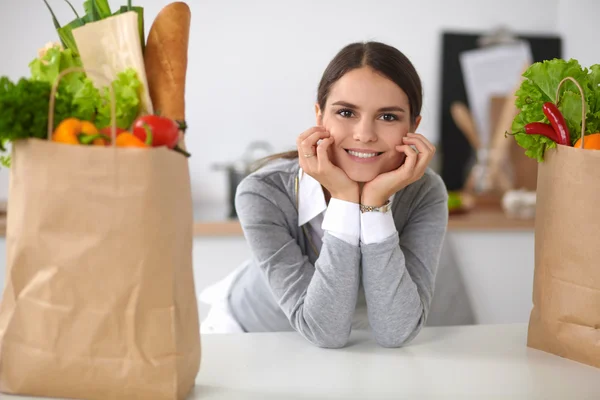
(489,218)
(479,362)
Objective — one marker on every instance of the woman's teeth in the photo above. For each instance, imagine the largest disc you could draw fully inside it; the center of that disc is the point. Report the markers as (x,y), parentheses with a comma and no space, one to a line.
(362,155)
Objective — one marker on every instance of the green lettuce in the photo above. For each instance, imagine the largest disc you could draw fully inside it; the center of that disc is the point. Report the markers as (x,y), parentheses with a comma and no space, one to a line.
(88,102)
(540,86)
(593,117)
(127,89)
(52,62)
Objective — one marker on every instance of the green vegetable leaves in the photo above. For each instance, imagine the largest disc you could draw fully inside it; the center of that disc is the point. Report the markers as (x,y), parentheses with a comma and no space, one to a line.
(540,86)
(593,117)
(548,74)
(24,106)
(55,60)
(24,109)
(96,10)
(127,89)
(88,102)
(530,100)
(535,145)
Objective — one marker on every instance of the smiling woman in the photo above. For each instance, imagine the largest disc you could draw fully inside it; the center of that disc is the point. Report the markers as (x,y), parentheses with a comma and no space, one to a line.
(347,230)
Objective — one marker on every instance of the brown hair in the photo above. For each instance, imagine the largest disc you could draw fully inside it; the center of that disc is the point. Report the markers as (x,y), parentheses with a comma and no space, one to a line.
(385,59)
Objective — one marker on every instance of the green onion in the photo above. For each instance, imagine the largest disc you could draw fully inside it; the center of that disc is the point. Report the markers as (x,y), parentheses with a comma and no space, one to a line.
(72,8)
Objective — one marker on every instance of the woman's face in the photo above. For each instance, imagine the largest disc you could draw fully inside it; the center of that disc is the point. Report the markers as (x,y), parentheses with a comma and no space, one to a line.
(367,115)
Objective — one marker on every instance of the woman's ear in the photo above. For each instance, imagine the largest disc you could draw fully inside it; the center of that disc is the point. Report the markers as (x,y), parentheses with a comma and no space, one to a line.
(318,114)
(417,122)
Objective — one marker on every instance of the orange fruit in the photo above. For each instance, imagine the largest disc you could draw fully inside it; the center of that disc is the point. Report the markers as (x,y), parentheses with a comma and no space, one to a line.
(592,142)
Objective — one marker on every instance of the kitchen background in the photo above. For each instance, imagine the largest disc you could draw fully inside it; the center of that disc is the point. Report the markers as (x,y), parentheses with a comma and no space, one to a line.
(252,77)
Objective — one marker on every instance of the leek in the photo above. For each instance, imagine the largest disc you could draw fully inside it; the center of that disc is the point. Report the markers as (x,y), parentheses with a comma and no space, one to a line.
(96,10)
(56,24)
(72,8)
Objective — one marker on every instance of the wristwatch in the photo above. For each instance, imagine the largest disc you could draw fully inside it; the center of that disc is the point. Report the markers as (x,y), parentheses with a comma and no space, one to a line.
(384,208)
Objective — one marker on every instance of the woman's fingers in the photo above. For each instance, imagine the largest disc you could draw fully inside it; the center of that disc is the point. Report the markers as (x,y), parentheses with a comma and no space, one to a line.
(426,151)
(307,133)
(420,142)
(411,160)
(322,156)
(307,143)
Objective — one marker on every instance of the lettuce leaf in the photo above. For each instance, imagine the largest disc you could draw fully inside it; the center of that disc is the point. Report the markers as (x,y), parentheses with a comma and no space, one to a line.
(593,118)
(52,62)
(535,145)
(85,100)
(547,75)
(530,100)
(540,86)
(88,102)
(570,108)
(127,89)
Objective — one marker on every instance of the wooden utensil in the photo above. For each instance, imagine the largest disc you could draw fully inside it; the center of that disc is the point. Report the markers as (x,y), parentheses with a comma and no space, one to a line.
(464,120)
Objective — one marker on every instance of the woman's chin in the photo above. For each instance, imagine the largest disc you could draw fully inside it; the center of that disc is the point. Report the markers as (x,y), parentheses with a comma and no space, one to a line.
(361,176)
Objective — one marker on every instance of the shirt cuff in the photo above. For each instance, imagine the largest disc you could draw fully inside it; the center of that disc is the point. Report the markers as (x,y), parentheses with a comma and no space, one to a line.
(342,220)
(376,227)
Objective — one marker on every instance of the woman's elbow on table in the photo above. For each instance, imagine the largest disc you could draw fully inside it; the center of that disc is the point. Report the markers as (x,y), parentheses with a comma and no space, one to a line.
(331,342)
(395,338)
(394,341)
(324,340)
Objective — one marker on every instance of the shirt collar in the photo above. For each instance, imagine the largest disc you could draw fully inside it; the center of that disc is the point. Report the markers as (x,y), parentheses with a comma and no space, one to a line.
(311,198)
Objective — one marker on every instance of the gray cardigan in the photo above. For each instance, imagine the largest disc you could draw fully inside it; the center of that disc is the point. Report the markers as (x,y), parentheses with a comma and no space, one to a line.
(285,286)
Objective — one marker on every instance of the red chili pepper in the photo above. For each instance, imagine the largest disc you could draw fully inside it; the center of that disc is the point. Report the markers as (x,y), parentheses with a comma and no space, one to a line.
(558,123)
(540,128)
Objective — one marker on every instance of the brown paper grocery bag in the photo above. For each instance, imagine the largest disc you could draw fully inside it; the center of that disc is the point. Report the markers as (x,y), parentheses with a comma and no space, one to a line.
(99,301)
(565,319)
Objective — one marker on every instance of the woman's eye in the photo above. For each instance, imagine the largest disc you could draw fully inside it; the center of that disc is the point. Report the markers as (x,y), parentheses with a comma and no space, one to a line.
(389,117)
(345,113)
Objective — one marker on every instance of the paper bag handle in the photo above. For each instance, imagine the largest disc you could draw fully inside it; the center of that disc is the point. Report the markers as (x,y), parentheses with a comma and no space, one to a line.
(568,78)
(113,105)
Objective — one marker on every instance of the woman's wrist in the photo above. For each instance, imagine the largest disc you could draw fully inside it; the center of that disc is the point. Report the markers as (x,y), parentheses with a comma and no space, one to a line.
(351,195)
(373,201)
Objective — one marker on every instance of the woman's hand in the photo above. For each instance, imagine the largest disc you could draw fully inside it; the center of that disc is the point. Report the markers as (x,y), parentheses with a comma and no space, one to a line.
(379,190)
(314,160)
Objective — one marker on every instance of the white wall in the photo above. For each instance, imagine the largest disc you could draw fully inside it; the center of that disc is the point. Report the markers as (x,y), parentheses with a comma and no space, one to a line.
(578,23)
(254,65)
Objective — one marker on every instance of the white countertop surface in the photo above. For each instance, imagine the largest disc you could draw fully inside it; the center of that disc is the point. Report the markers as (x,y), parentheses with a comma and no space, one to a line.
(479,362)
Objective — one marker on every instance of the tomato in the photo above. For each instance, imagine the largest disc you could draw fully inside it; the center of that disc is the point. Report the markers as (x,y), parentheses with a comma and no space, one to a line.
(165,131)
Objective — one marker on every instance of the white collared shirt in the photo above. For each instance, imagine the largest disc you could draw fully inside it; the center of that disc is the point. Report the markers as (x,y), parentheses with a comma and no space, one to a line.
(342,219)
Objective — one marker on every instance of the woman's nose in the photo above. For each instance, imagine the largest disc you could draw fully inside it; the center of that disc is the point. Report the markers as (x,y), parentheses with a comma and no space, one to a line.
(365,132)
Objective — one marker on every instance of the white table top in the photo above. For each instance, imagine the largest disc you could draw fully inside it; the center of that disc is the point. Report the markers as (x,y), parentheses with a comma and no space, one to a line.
(478,362)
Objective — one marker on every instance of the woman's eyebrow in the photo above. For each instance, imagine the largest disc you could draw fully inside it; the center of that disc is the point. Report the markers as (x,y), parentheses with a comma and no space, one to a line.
(383,109)
(392,108)
(345,104)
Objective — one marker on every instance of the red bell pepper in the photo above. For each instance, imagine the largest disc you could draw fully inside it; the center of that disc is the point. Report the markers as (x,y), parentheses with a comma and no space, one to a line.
(165,131)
